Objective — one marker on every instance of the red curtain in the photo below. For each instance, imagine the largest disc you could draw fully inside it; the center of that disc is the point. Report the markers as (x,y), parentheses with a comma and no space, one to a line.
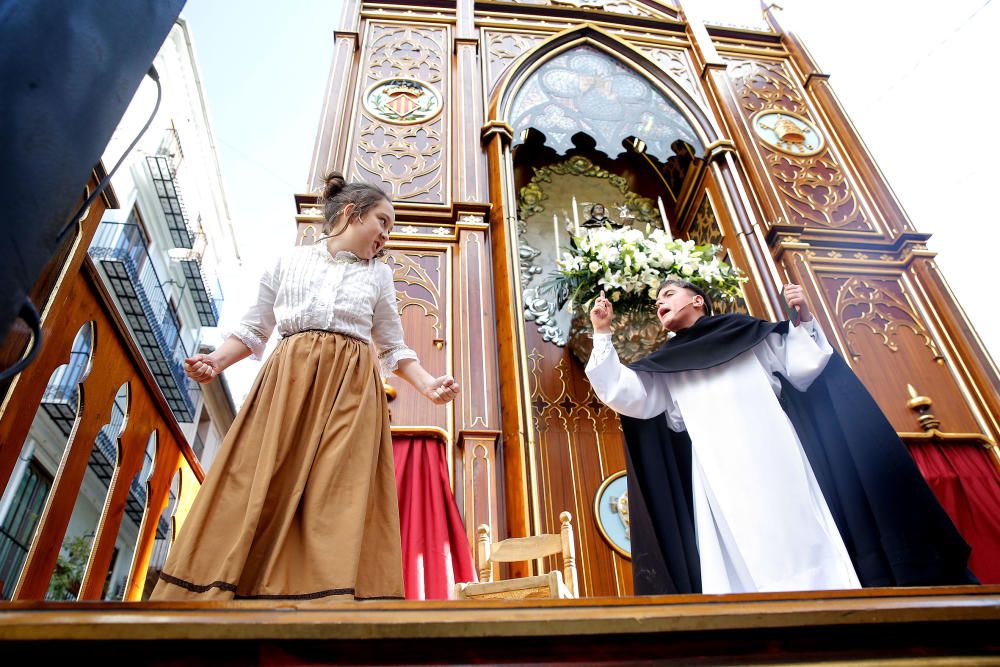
(966,482)
(436,552)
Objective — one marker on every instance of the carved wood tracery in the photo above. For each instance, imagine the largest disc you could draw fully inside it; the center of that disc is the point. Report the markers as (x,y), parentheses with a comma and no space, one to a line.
(814,189)
(409,159)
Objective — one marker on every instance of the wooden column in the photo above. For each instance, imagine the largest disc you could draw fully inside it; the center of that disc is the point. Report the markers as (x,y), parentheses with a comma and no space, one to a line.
(49,295)
(515,427)
(470,165)
(338,108)
(477,410)
(478,492)
(975,364)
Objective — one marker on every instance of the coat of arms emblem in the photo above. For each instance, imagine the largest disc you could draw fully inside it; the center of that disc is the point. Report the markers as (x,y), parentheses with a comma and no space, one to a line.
(403,101)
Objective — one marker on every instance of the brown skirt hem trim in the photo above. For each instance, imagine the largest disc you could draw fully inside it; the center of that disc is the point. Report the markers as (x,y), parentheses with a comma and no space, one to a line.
(226,586)
(197,588)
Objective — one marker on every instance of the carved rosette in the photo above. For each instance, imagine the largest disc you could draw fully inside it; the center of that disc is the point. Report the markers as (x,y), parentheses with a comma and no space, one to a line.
(409,158)
(814,188)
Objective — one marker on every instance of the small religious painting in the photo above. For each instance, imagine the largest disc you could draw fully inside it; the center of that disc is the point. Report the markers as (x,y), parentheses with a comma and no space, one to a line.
(611,513)
(403,101)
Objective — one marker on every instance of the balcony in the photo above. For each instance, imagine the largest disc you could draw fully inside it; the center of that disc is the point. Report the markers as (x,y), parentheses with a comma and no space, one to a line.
(162,173)
(205,305)
(164,178)
(121,251)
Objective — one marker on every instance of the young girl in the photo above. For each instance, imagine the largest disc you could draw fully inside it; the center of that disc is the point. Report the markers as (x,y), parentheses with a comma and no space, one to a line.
(300,503)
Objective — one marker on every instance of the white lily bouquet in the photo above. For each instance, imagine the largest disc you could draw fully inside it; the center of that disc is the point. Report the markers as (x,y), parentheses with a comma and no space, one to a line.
(629,267)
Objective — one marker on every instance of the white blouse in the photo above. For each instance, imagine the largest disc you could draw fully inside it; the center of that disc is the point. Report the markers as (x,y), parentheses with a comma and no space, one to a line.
(307,288)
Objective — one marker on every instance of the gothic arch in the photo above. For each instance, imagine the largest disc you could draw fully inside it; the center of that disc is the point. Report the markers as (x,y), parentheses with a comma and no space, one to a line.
(672,91)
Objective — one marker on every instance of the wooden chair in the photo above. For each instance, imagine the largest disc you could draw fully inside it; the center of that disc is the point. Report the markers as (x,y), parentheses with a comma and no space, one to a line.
(555,584)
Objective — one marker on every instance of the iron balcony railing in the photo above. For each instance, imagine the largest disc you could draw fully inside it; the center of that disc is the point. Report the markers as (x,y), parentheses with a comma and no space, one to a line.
(205,305)
(164,177)
(162,172)
(121,250)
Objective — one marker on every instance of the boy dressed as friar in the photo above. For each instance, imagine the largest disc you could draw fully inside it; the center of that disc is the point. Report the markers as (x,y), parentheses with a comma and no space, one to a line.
(757,461)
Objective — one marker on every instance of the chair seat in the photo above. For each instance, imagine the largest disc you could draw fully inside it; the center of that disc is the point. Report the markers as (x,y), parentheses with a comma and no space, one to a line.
(555,584)
(543,586)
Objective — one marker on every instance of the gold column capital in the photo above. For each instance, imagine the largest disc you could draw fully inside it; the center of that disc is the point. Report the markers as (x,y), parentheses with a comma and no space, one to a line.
(497,128)
(720,147)
(814,77)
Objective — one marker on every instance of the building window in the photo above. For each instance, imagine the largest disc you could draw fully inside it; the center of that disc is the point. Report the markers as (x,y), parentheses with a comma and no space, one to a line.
(135,218)
(19,524)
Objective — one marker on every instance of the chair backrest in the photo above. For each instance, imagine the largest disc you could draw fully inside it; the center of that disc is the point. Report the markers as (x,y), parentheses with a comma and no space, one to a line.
(517,549)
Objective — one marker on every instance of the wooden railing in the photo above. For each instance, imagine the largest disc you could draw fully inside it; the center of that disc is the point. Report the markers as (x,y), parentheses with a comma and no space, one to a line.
(79,300)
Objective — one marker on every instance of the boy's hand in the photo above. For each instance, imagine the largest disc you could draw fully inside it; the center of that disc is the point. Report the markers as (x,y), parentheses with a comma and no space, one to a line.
(796,298)
(442,390)
(201,368)
(601,314)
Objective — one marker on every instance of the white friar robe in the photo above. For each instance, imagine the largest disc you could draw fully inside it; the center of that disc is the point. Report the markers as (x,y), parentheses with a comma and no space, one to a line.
(761,520)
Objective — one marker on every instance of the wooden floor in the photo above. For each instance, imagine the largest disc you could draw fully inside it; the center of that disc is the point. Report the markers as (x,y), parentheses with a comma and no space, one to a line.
(928,626)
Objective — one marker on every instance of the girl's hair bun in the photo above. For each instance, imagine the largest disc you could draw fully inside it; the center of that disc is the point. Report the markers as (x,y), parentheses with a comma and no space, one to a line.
(333,184)
(338,194)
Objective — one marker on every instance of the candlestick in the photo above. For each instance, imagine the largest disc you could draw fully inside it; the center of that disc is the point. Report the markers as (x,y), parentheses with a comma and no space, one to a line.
(576,217)
(555,230)
(663,215)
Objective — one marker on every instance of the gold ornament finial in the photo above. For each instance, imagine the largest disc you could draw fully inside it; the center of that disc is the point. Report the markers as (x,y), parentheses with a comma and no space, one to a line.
(921,405)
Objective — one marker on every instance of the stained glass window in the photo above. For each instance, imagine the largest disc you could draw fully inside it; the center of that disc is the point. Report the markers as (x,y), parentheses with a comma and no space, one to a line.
(586,90)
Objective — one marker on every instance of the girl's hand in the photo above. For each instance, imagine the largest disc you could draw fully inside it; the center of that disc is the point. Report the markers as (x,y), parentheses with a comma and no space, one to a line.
(796,298)
(442,390)
(201,368)
(601,314)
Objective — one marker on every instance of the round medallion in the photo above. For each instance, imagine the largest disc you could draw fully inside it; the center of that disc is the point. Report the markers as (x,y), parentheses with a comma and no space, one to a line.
(403,101)
(611,513)
(788,132)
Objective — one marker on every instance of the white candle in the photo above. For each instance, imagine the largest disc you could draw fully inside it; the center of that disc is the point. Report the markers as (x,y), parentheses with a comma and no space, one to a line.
(576,218)
(663,216)
(555,231)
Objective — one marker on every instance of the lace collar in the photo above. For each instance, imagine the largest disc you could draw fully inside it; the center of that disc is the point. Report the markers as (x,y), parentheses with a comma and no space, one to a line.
(342,256)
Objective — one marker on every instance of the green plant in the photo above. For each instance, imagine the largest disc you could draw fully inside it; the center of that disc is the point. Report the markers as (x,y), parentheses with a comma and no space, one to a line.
(70,567)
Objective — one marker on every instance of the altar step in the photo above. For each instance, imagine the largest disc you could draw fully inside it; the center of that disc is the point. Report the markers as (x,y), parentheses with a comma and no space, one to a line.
(928,626)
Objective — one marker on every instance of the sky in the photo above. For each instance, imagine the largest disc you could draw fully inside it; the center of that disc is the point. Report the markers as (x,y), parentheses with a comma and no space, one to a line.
(913,76)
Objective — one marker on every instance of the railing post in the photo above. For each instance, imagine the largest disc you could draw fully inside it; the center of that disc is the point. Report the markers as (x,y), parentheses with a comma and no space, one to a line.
(97,395)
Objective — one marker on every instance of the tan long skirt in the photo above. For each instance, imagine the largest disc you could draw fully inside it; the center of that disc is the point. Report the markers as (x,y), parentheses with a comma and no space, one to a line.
(300,503)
